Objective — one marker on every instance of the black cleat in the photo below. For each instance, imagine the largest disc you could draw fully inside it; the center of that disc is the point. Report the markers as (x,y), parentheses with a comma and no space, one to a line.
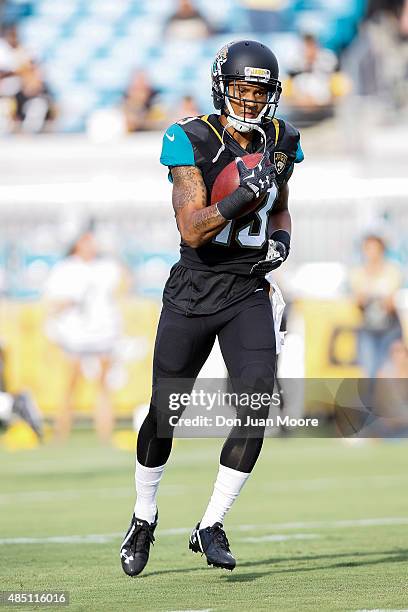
(134,552)
(25,408)
(213,543)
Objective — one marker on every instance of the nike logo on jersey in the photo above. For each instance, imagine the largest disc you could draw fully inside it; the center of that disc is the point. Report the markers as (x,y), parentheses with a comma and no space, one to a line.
(171,138)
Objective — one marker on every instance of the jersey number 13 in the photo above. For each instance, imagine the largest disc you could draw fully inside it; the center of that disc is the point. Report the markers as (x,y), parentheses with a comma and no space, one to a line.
(246,236)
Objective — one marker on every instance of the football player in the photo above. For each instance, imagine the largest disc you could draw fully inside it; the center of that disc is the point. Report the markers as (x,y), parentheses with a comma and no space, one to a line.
(218,287)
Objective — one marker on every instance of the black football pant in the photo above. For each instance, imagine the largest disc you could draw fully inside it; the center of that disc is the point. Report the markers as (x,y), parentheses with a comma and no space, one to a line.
(246,336)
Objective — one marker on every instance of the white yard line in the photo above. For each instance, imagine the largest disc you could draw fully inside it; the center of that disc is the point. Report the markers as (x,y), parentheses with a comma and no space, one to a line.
(350,482)
(206,610)
(63,494)
(108,537)
(337,524)
(311,484)
(281,538)
(70,539)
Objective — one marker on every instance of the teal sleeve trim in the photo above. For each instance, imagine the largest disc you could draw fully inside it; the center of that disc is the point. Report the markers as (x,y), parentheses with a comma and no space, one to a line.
(177,149)
(299,154)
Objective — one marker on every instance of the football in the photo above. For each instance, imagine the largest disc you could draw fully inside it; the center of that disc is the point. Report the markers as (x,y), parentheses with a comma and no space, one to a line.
(228,181)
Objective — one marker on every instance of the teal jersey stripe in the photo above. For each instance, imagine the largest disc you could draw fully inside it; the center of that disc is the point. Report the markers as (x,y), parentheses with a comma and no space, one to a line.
(177,149)
(299,154)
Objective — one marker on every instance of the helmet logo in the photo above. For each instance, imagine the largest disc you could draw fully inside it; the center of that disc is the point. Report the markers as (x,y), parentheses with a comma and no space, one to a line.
(280,160)
(222,54)
(260,74)
(220,59)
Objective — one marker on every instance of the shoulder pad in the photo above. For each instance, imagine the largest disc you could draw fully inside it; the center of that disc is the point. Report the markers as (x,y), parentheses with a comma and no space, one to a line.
(195,127)
(289,141)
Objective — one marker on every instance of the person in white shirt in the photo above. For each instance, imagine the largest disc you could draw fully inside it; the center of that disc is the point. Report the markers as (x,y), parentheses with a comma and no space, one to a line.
(374,285)
(85,321)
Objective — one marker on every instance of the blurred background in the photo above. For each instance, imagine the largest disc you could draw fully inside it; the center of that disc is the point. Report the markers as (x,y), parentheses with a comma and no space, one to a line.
(87,232)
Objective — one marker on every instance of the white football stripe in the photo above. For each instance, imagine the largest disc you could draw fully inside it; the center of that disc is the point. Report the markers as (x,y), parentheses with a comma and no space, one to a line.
(108,537)
(309,484)
(69,539)
(105,492)
(206,610)
(281,538)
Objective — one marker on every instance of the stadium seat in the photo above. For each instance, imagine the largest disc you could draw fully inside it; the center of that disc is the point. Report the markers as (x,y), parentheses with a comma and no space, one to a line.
(106,9)
(55,9)
(108,74)
(98,43)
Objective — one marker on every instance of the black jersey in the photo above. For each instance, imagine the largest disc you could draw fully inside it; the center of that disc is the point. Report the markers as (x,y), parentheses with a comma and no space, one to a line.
(203,142)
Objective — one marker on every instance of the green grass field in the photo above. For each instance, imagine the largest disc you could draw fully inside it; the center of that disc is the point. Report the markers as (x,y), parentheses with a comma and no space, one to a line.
(319,526)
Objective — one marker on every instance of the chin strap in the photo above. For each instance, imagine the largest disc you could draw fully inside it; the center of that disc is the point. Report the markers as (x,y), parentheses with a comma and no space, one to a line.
(263,134)
(222,147)
(230,124)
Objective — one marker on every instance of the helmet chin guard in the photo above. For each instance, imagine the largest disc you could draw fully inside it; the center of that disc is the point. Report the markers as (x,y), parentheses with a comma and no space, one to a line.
(242,124)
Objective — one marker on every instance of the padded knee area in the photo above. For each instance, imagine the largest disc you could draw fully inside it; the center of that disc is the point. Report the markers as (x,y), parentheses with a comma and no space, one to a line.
(257,376)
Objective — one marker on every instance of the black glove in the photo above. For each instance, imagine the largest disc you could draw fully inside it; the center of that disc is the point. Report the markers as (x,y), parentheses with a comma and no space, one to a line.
(278,252)
(259,179)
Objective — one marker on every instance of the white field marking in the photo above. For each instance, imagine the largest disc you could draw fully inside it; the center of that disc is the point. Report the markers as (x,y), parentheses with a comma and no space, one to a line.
(175,531)
(365,522)
(63,494)
(311,484)
(383,610)
(206,610)
(108,537)
(70,539)
(315,484)
(281,538)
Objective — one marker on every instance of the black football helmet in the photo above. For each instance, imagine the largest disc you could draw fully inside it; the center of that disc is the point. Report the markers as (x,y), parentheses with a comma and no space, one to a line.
(248,61)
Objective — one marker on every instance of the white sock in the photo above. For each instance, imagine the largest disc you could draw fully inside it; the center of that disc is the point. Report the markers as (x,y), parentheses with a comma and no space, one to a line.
(226,489)
(147,483)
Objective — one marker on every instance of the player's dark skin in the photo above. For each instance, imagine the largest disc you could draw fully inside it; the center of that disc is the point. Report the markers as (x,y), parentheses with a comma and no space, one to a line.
(199,223)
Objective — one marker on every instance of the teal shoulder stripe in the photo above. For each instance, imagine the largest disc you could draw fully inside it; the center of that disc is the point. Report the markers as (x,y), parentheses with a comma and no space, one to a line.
(177,149)
(299,154)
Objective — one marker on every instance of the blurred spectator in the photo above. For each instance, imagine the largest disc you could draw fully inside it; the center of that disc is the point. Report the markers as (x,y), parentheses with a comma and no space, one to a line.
(12,59)
(26,103)
(404,20)
(141,106)
(21,55)
(391,7)
(34,109)
(268,15)
(374,285)
(314,83)
(377,60)
(188,108)
(186,23)
(85,321)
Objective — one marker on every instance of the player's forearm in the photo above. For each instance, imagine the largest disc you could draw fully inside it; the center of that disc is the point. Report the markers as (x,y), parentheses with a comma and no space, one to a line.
(202,226)
(280,221)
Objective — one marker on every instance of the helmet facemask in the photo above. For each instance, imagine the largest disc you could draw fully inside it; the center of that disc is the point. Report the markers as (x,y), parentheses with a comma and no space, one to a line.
(228,90)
